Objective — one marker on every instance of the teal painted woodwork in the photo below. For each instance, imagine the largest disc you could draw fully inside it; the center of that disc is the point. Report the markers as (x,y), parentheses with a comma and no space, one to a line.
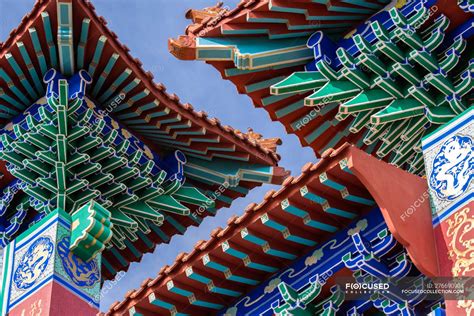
(397,81)
(67,154)
(91,230)
(254,53)
(65,38)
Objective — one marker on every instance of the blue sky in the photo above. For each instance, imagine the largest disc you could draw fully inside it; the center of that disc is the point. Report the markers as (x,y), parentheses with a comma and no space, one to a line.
(145,26)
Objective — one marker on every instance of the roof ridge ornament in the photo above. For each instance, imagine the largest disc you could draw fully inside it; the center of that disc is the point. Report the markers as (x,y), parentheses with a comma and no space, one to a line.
(197,16)
(267,143)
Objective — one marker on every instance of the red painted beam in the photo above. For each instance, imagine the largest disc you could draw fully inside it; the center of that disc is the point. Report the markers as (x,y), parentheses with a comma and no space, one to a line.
(404,202)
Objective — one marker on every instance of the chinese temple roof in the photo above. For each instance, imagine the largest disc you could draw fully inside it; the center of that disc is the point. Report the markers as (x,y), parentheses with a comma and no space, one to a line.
(306,211)
(129,101)
(280,18)
(117,67)
(273,51)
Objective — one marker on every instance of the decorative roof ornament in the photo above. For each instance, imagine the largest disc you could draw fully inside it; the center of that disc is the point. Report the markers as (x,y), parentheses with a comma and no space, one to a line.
(197,16)
(267,143)
(261,14)
(183,47)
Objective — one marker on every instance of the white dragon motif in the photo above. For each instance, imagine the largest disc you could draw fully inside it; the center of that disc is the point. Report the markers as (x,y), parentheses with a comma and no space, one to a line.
(453,168)
(33,263)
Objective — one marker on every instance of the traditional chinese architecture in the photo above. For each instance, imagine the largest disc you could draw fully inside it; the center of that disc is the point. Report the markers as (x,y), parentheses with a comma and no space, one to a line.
(99,164)
(284,255)
(395,81)
(397,76)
